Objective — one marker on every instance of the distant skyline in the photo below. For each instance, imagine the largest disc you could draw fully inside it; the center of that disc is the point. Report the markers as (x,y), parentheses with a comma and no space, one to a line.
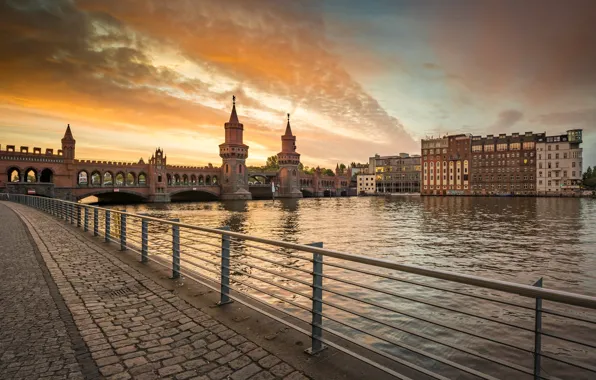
(357,77)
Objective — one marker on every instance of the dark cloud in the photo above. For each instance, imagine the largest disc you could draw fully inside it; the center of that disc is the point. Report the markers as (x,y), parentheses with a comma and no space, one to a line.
(583,118)
(506,120)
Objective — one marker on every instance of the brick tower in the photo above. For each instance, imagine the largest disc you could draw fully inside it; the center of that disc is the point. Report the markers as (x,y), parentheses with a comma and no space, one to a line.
(234,183)
(68,145)
(288,159)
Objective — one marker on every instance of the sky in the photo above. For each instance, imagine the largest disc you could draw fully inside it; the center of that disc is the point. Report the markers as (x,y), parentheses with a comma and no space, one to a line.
(357,77)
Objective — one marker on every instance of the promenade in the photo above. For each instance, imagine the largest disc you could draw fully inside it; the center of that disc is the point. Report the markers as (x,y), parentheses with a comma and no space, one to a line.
(70,310)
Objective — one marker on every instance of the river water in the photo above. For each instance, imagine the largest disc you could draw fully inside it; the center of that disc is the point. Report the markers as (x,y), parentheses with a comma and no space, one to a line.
(512,239)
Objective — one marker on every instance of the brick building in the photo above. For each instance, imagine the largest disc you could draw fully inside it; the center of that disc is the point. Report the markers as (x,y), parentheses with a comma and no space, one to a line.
(396,174)
(504,165)
(446,165)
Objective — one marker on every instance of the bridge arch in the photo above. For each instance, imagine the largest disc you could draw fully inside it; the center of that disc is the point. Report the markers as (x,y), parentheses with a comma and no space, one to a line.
(208,180)
(96,178)
(193,179)
(131,179)
(190,195)
(176,179)
(30,175)
(14,174)
(46,176)
(108,179)
(185,179)
(83,178)
(142,179)
(169,178)
(201,179)
(108,195)
(119,180)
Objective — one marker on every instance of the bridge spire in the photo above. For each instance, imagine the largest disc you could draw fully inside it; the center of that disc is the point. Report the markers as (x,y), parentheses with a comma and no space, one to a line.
(68,133)
(288,128)
(233,115)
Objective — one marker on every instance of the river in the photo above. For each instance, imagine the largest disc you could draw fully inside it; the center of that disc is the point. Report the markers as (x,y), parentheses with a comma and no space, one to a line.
(513,239)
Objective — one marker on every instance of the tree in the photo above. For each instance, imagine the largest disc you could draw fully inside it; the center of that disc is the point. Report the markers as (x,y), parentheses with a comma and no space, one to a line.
(327,172)
(342,167)
(272,163)
(301,167)
(588,174)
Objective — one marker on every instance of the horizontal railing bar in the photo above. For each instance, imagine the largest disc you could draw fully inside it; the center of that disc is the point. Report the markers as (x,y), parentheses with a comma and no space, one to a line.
(198,266)
(390,277)
(419,352)
(565,315)
(573,364)
(391,293)
(275,252)
(509,287)
(275,273)
(333,304)
(271,261)
(382,353)
(580,342)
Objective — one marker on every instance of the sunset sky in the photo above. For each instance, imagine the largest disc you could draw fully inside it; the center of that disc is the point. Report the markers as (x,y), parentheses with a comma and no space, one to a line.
(358,77)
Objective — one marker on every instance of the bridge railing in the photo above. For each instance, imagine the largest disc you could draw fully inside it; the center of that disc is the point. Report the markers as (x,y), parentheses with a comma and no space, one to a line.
(405,320)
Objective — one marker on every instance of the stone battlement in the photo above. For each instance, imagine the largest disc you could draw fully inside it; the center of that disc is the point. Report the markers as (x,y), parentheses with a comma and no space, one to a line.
(24,150)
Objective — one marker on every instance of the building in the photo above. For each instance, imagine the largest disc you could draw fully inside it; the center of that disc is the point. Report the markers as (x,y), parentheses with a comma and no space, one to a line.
(365,184)
(396,174)
(446,165)
(360,169)
(504,165)
(559,161)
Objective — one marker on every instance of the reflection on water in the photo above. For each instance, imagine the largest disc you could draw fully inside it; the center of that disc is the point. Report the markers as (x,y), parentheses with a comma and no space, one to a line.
(514,239)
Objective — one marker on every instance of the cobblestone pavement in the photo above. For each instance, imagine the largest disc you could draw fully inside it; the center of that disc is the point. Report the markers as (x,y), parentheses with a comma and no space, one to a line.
(133,327)
(38,338)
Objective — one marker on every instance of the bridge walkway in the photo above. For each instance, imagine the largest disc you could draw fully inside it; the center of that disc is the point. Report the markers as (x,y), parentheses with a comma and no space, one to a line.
(70,310)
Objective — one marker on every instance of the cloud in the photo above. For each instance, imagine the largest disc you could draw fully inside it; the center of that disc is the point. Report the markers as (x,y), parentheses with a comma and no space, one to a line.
(542,50)
(145,65)
(507,119)
(582,118)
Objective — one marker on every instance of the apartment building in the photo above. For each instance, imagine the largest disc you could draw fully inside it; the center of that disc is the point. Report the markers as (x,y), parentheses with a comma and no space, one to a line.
(365,184)
(446,165)
(504,165)
(396,174)
(559,159)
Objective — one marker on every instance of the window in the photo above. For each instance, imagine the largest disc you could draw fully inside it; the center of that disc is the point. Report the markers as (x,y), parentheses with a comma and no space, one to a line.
(549,147)
(564,173)
(557,147)
(529,145)
(540,165)
(501,147)
(549,156)
(489,148)
(540,157)
(573,174)
(549,183)
(573,164)
(556,164)
(564,155)
(514,146)
(476,148)
(540,182)
(549,174)
(557,156)
(539,174)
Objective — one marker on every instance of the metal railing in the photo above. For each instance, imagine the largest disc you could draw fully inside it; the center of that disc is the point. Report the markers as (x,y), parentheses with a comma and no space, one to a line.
(405,320)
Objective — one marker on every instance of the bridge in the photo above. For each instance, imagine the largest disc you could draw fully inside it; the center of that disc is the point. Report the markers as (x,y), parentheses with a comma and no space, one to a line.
(59,174)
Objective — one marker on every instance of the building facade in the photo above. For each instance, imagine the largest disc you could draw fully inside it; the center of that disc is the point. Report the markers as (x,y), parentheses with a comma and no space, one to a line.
(365,184)
(446,165)
(559,161)
(504,165)
(396,174)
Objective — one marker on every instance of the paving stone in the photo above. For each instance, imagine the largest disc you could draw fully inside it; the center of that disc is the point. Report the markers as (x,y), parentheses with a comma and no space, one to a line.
(111,369)
(263,375)
(171,370)
(220,373)
(239,362)
(296,376)
(269,361)
(281,369)
(257,353)
(246,372)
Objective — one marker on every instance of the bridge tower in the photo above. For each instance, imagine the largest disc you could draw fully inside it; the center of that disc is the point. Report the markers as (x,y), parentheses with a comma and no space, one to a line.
(158,177)
(288,159)
(68,145)
(233,151)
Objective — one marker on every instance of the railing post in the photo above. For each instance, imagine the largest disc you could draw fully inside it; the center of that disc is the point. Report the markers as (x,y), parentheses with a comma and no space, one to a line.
(538,333)
(86,219)
(175,250)
(107,230)
(95,222)
(317,303)
(123,231)
(225,269)
(78,215)
(144,240)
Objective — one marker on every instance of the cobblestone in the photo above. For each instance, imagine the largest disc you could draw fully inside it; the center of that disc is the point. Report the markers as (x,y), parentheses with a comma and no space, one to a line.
(129,326)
